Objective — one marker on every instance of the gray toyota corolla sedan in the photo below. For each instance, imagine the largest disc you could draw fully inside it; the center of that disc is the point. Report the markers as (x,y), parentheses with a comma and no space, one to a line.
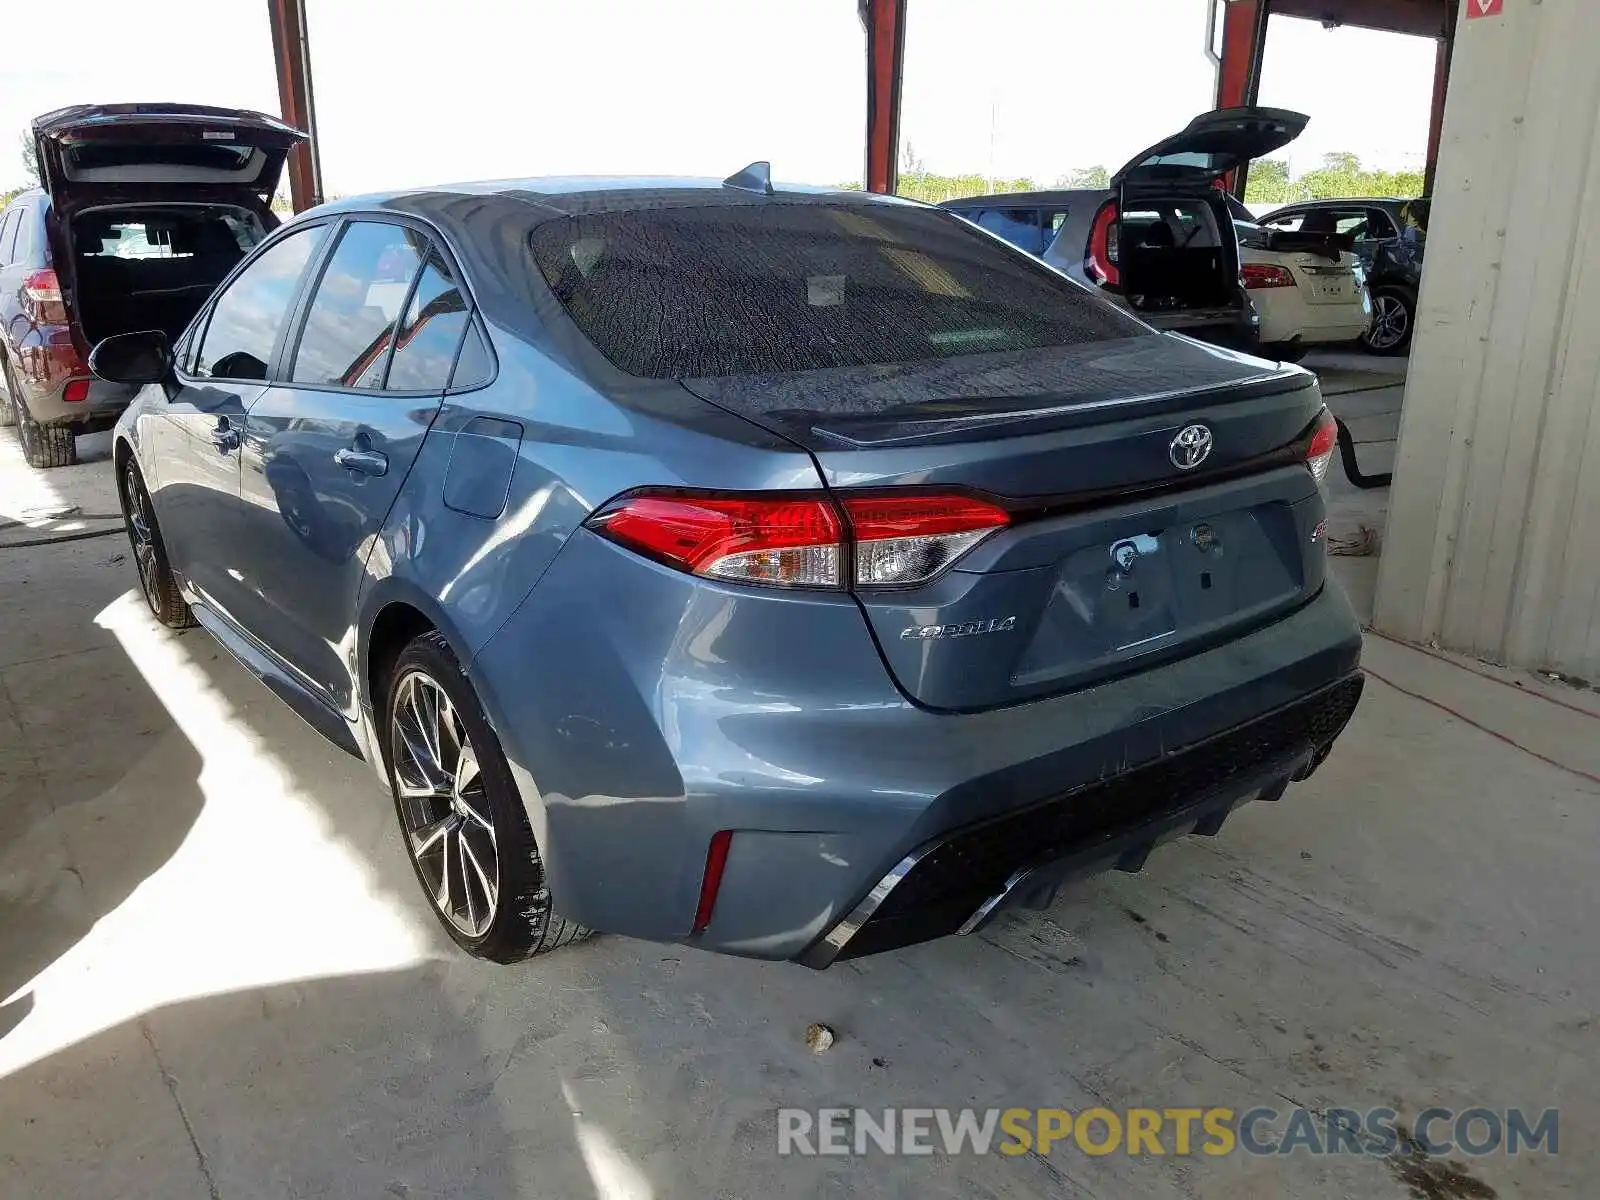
(788,573)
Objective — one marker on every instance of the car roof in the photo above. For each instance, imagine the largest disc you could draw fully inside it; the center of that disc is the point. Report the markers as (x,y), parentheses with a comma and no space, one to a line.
(1001,199)
(574,194)
(1341,201)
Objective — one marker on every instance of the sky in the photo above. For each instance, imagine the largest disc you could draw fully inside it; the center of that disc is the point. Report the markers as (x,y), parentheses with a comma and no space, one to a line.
(411,92)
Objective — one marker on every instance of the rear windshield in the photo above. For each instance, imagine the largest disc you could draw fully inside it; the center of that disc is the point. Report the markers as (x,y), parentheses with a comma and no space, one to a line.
(179,232)
(683,293)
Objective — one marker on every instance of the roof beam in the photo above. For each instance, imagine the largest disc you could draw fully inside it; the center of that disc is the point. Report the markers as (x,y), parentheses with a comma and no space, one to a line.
(1425,18)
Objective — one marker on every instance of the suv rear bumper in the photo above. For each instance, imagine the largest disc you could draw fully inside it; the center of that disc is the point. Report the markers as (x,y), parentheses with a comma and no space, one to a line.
(644,711)
(99,410)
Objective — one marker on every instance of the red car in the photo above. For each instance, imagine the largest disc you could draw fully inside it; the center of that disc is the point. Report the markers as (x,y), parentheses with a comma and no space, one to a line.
(144,209)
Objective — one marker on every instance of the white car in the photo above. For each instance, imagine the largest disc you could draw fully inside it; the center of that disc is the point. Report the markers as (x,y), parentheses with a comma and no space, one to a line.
(1310,289)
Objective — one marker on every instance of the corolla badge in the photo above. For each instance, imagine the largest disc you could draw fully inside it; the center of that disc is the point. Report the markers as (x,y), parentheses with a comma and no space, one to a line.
(923,633)
(1191,447)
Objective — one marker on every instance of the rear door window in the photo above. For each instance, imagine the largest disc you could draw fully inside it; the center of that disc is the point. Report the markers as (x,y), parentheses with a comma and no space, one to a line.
(474,366)
(22,241)
(750,289)
(1051,220)
(425,348)
(1352,224)
(250,314)
(8,236)
(1019,226)
(1379,225)
(350,323)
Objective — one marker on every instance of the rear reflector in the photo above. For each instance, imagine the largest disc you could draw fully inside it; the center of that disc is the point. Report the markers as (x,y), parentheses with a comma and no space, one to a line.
(76,391)
(803,541)
(1320,452)
(1265,275)
(711,881)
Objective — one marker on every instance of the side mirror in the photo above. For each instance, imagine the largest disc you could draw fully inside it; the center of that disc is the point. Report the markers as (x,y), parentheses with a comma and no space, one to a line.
(143,357)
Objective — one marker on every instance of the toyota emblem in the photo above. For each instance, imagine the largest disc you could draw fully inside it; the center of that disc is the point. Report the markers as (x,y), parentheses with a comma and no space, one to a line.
(1190,448)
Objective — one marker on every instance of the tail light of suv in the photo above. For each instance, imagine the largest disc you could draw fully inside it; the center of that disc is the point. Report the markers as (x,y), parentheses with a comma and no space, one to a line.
(807,540)
(1101,261)
(41,297)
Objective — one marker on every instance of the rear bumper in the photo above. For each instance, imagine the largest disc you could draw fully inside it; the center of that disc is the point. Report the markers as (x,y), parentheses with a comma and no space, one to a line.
(957,881)
(643,712)
(99,410)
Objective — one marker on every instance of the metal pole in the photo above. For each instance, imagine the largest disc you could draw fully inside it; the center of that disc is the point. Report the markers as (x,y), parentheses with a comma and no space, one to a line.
(885,22)
(291,53)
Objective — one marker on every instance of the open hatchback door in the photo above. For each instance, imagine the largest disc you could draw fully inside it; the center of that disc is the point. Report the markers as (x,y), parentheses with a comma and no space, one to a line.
(1210,146)
(99,154)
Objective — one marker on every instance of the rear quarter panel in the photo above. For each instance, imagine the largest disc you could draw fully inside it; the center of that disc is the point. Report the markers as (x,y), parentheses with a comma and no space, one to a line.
(468,564)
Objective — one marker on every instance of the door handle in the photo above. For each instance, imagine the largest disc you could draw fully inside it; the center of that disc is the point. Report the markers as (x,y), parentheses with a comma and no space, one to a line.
(224,437)
(368,462)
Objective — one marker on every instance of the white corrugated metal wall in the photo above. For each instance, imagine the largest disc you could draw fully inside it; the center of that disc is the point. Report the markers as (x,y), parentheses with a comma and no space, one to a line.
(1493,543)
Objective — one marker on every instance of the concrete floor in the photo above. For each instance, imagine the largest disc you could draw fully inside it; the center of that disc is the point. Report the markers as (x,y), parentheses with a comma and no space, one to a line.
(218,978)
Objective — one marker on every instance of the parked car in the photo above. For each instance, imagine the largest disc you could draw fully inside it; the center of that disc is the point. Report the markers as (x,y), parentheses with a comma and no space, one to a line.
(788,573)
(143,209)
(1309,287)
(1160,240)
(1390,235)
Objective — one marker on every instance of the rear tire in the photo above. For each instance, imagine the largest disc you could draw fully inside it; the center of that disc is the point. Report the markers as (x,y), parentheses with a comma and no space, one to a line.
(463,821)
(1394,316)
(8,408)
(156,580)
(47,446)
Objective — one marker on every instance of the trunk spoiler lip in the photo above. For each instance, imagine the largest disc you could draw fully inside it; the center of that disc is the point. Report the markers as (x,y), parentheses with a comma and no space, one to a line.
(1038,508)
(876,430)
(1024,509)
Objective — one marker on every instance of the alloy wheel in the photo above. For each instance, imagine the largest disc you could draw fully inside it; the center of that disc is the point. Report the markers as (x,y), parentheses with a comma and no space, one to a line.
(448,824)
(141,532)
(1389,322)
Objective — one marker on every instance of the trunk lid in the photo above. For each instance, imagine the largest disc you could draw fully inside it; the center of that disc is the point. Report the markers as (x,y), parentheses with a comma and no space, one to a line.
(1117,557)
(97,154)
(1210,146)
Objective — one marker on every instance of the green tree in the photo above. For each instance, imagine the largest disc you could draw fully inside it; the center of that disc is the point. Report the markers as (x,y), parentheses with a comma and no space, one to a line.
(1269,183)
(30,159)
(1341,174)
(1085,177)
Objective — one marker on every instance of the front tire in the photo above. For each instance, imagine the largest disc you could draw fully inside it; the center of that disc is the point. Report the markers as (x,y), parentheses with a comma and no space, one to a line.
(156,580)
(465,828)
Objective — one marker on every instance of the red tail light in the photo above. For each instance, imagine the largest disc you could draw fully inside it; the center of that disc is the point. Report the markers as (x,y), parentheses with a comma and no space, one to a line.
(76,391)
(1102,261)
(1265,275)
(793,542)
(711,881)
(801,541)
(41,295)
(1320,451)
